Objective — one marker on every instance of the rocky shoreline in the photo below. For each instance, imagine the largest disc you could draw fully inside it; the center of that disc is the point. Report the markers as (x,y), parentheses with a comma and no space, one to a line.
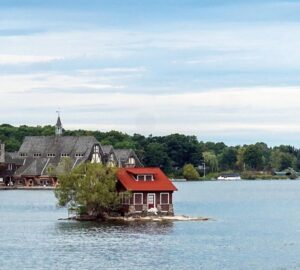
(139,218)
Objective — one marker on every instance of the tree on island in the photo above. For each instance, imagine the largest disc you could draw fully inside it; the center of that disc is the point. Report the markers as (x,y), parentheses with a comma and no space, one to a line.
(190,173)
(89,187)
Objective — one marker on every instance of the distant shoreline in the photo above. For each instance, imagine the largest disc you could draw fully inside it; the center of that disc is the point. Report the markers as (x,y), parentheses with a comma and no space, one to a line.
(26,188)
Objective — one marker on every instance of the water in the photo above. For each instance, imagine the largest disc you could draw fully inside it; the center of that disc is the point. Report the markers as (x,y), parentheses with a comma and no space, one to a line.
(256,226)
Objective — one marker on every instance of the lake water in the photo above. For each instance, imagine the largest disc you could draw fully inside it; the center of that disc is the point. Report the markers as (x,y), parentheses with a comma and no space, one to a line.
(256,226)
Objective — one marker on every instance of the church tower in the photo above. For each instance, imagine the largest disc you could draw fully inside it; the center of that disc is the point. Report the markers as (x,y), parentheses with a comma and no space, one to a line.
(58,126)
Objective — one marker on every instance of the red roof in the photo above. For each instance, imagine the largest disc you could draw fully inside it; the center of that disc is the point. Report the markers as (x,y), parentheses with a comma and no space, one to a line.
(161,182)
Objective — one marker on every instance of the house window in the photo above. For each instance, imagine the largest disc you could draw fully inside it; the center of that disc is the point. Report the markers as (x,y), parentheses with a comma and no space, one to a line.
(50,155)
(138,198)
(149,177)
(37,154)
(96,149)
(10,167)
(145,177)
(131,160)
(96,158)
(164,198)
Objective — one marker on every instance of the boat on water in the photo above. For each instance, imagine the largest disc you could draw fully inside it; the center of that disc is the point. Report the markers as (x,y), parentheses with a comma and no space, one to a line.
(229,177)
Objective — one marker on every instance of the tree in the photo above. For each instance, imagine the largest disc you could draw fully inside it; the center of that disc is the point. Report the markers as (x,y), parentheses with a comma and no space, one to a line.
(282,160)
(211,160)
(156,156)
(228,158)
(91,186)
(190,173)
(253,157)
(181,149)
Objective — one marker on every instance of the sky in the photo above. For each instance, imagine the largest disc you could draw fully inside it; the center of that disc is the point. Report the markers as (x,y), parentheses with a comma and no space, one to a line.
(221,70)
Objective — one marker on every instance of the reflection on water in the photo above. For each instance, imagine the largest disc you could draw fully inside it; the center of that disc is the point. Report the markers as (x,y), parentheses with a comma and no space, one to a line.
(107,228)
(257,227)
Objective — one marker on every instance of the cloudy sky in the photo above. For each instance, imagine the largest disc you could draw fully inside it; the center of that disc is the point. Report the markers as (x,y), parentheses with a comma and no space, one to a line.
(222,70)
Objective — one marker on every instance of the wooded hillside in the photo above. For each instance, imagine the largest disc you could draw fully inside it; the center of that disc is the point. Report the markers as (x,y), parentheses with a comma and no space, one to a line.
(172,152)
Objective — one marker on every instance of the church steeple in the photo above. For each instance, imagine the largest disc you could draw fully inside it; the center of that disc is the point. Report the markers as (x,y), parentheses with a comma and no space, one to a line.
(58,126)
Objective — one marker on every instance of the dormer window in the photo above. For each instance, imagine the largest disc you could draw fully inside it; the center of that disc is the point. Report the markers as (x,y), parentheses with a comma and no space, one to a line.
(50,155)
(79,155)
(145,177)
(23,154)
(65,155)
(37,154)
(131,160)
(96,158)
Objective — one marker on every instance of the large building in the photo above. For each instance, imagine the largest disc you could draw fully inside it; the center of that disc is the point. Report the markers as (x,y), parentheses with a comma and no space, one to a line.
(38,156)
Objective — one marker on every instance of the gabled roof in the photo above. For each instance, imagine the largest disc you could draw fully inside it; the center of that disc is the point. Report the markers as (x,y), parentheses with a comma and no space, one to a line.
(32,167)
(123,155)
(57,145)
(107,149)
(13,157)
(161,182)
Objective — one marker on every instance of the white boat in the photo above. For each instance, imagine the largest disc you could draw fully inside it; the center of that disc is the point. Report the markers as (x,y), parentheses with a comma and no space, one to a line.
(229,177)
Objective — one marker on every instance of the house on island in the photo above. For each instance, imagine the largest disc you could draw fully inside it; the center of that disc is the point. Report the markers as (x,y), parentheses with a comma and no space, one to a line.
(35,162)
(152,191)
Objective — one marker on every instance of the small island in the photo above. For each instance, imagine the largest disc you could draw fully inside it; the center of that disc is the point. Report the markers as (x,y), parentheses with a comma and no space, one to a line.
(97,191)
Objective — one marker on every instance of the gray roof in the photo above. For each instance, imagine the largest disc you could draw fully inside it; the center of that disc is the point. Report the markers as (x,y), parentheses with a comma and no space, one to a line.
(123,155)
(13,157)
(55,145)
(107,149)
(32,166)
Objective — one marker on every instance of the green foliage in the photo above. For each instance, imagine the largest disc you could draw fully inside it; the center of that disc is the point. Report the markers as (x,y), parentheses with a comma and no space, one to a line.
(190,173)
(228,158)
(156,153)
(211,160)
(173,151)
(91,186)
(253,157)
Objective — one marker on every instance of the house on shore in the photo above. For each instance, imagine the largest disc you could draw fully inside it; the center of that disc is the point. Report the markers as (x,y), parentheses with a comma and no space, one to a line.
(151,190)
(42,154)
(9,163)
(127,158)
(122,158)
(39,156)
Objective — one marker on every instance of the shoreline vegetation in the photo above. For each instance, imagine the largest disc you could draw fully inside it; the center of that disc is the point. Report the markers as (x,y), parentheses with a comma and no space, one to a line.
(181,156)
